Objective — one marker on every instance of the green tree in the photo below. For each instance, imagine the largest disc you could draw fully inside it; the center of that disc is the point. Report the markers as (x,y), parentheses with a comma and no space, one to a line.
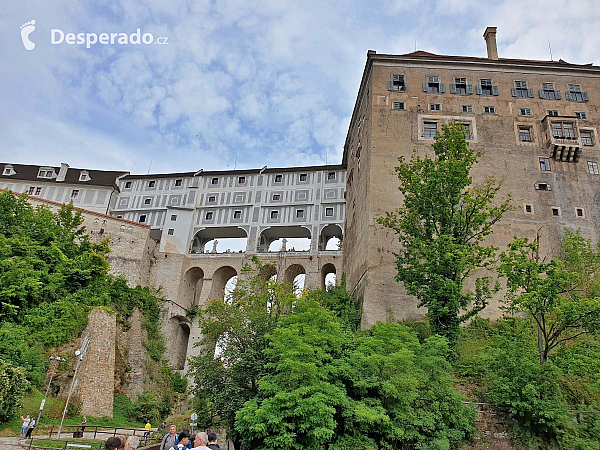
(13,386)
(441,228)
(330,388)
(337,299)
(561,295)
(238,329)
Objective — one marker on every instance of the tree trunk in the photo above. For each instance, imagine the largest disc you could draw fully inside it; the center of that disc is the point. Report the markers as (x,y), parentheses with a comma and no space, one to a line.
(541,347)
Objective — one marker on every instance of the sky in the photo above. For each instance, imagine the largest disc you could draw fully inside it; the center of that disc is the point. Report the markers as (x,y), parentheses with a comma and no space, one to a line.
(238,84)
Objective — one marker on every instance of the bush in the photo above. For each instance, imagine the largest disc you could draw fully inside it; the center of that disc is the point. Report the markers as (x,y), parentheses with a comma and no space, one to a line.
(13,386)
(146,408)
(179,383)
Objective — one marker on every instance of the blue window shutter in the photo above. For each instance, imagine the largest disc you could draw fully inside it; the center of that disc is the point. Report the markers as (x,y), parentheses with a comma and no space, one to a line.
(585,96)
(557,95)
(568,96)
(479,92)
(453,89)
(542,93)
(425,87)
(390,86)
(495,90)
(469,89)
(514,92)
(443,88)
(530,93)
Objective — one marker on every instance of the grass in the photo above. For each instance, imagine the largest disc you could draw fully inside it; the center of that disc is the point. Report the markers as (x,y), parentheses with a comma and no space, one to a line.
(60,443)
(53,412)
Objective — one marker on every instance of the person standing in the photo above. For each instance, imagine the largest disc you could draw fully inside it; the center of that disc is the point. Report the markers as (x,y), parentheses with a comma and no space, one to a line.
(170,439)
(30,429)
(184,439)
(83,424)
(148,427)
(25,425)
(201,441)
(212,442)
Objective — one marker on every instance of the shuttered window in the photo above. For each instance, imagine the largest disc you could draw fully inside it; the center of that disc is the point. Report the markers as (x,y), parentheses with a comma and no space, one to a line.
(575,94)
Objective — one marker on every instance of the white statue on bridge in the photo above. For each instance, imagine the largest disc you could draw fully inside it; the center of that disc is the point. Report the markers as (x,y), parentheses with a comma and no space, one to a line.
(283,245)
(214,250)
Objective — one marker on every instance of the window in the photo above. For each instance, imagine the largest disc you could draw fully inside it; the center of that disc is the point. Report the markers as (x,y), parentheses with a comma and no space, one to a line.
(486,88)
(276,197)
(435,107)
(274,214)
(525,112)
(331,175)
(460,87)
(552,112)
(466,108)
(467,127)
(209,215)
(545,164)
(147,201)
(520,90)
(237,214)
(6,171)
(556,211)
(397,83)
(524,133)
(214,181)
(433,86)
(543,187)
(241,180)
(329,212)
(579,212)
(31,190)
(593,167)
(586,138)
(127,184)
(173,217)
(429,129)
(83,177)
(529,209)
(75,193)
(563,130)
(38,190)
(45,174)
(300,214)
(120,217)
(399,106)
(212,199)
(574,94)
(178,182)
(171,231)
(489,110)
(239,198)
(547,92)
(358,157)
(151,183)
(581,115)
(303,176)
(142,218)
(278,178)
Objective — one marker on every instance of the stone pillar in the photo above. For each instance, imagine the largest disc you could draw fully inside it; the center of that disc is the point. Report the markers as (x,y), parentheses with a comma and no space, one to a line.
(97,372)
(136,356)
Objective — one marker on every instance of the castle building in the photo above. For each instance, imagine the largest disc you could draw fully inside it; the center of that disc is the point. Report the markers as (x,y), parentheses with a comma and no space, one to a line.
(535,123)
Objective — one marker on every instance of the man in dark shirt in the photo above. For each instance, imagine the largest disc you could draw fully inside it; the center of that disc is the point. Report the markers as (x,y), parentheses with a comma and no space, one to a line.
(212,442)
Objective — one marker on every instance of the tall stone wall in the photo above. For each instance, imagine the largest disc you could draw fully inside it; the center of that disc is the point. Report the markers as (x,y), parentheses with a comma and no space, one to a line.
(135,355)
(97,371)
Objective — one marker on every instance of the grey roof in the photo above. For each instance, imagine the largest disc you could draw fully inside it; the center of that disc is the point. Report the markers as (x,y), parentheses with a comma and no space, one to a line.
(30,172)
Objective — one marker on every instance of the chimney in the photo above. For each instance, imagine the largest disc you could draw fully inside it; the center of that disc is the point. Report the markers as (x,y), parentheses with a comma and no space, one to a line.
(62,173)
(490,39)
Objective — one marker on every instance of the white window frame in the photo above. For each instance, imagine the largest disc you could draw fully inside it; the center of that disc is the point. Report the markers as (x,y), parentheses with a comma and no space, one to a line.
(274,214)
(236,213)
(147,201)
(525,112)
(303,175)
(398,106)
(209,215)
(435,107)
(74,194)
(213,182)
(492,111)
(327,210)
(593,167)
(273,199)
(300,214)
(171,231)
(466,108)
(581,115)
(152,183)
(173,217)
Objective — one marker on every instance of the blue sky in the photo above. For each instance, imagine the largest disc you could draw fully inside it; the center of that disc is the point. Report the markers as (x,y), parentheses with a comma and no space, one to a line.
(264,83)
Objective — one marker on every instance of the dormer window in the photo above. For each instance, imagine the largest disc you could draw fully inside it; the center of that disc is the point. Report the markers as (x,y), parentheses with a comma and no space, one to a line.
(8,170)
(45,173)
(84,176)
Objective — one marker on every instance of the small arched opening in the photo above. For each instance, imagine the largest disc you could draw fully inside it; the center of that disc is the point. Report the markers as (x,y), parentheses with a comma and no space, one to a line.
(220,240)
(296,276)
(284,239)
(191,288)
(181,331)
(328,275)
(330,238)
(219,281)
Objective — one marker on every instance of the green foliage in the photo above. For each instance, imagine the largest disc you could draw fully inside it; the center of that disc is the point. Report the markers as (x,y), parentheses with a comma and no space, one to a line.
(16,349)
(179,383)
(13,386)
(239,327)
(328,387)
(339,300)
(441,228)
(147,407)
(560,295)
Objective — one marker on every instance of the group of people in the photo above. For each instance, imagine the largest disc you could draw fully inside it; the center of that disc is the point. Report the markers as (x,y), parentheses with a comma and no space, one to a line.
(27,427)
(183,440)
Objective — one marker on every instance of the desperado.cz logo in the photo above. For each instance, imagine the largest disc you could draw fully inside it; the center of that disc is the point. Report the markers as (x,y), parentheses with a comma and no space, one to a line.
(58,36)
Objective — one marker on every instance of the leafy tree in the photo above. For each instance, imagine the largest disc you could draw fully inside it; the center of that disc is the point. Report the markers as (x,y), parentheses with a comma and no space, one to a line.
(441,228)
(561,295)
(238,329)
(337,299)
(328,387)
(13,386)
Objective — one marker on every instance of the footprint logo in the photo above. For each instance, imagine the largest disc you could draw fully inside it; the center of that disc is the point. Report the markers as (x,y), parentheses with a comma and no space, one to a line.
(26,30)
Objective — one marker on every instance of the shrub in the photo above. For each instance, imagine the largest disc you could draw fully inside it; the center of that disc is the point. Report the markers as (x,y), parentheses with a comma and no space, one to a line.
(13,385)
